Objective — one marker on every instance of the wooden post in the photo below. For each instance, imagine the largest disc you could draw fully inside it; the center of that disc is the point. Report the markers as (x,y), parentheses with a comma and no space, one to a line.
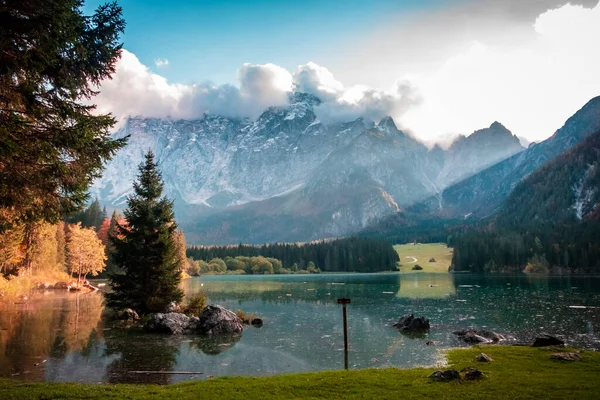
(343,301)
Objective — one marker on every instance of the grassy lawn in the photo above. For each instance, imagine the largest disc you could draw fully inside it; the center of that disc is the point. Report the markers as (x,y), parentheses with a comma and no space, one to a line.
(516,373)
(423,253)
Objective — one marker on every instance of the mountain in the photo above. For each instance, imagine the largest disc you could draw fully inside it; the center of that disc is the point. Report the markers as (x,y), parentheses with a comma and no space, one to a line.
(483,193)
(549,222)
(285,176)
(566,189)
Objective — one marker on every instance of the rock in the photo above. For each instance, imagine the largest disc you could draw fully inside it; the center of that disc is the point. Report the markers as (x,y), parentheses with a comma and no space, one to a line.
(432,260)
(409,323)
(417,268)
(547,340)
(445,376)
(430,343)
(484,358)
(61,285)
(471,374)
(473,336)
(172,323)
(566,356)
(172,307)
(257,322)
(215,320)
(128,315)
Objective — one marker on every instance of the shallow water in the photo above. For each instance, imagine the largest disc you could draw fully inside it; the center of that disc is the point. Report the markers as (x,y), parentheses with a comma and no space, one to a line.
(62,337)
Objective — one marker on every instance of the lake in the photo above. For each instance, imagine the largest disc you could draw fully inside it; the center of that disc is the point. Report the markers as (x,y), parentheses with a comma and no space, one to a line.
(63,337)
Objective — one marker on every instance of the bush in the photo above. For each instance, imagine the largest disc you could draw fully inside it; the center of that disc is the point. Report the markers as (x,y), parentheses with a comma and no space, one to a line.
(196,303)
(417,267)
(246,319)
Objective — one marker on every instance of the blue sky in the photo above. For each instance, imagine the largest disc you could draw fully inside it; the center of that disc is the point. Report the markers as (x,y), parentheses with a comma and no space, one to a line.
(438,67)
(210,40)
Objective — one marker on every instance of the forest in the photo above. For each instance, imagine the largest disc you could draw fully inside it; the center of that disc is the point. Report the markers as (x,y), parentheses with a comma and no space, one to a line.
(543,226)
(340,255)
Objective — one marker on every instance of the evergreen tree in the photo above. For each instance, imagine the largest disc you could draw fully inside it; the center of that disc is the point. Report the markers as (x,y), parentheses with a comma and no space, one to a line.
(146,248)
(52,144)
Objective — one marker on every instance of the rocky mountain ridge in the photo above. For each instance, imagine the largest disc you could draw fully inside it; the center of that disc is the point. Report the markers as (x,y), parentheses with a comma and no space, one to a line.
(287,176)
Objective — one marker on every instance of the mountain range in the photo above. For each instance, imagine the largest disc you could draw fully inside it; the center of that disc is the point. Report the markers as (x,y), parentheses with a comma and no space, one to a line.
(285,176)
(483,193)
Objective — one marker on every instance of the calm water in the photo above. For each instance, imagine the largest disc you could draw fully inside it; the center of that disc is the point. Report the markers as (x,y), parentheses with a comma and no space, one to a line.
(62,337)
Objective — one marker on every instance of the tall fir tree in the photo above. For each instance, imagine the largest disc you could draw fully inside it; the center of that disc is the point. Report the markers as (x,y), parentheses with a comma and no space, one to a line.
(145,248)
(52,142)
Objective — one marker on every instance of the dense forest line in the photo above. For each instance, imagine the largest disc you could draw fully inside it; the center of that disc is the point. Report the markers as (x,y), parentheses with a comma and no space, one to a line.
(549,222)
(341,255)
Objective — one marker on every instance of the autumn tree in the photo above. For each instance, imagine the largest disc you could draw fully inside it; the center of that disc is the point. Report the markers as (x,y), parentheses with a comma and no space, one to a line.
(181,249)
(146,249)
(86,252)
(52,143)
(11,250)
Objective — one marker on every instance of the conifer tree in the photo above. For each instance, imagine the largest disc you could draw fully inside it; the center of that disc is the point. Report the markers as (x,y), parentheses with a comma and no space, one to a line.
(146,248)
(52,143)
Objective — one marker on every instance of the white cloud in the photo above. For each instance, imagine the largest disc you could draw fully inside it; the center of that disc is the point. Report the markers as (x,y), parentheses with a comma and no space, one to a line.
(137,91)
(531,77)
(532,87)
(161,62)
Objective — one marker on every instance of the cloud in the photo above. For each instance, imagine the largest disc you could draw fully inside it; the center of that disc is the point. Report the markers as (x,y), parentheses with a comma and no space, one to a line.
(532,87)
(136,91)
(161,62)
(531,75)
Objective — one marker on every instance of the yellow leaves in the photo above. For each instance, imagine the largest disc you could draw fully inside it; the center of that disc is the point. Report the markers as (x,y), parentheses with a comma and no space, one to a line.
(86,253)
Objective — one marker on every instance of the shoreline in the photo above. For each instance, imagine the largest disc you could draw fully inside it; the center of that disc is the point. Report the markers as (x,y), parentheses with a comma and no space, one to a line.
(515,372)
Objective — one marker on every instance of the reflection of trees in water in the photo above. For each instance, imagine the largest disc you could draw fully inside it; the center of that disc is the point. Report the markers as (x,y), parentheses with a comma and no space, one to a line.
(48,327)
(212,346)
(139,351)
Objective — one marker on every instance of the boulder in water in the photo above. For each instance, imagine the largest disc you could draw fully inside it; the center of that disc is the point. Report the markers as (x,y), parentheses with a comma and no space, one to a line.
(215,320)
(172,323)
(410,324)
(473,336)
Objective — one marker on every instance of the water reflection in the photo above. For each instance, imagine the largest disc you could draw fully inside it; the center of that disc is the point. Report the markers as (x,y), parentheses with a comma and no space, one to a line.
(62,337)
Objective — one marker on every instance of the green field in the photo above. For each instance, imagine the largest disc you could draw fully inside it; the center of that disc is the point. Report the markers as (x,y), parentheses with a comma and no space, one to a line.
(515,373)
(423,253)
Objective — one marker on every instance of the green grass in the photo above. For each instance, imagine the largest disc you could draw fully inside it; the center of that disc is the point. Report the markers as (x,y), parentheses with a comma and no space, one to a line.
(516,373)
(423,253)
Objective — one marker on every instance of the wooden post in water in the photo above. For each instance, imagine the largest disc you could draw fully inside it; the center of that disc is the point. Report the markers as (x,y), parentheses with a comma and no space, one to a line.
(343,301)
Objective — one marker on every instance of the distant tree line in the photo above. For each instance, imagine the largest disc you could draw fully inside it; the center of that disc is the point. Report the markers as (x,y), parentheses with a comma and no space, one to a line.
(539,248)
(246,265)
(537,228)
(341,255)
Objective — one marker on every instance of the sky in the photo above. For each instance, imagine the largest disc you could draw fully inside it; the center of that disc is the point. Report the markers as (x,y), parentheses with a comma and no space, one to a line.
(438,67)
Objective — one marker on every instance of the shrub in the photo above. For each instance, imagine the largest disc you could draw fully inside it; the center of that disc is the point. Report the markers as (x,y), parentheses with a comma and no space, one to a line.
(196,303)
(417,267)
(246,319)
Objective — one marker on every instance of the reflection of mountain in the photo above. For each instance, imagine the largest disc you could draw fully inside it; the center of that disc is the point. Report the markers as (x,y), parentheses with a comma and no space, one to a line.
(50,327)
(426,286)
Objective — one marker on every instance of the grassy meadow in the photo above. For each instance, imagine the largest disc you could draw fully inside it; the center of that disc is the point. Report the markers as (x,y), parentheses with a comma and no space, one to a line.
(515,373)
(420,254)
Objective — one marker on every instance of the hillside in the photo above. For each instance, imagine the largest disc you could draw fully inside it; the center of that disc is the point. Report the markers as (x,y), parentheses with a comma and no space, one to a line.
(286,176)
(483,193)
(550,220)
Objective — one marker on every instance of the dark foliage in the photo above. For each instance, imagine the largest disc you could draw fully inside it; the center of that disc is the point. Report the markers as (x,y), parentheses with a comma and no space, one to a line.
(51,144)
(145,248)
(538,223)
(342,255)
